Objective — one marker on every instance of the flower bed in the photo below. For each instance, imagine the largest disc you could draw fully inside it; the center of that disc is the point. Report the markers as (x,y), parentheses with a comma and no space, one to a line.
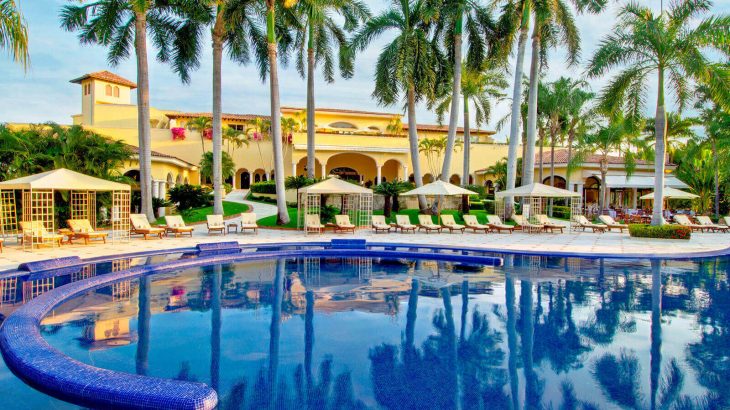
(661,232)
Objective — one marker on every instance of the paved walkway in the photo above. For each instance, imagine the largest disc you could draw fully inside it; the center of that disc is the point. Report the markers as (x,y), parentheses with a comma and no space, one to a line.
(262,210)
(580,242)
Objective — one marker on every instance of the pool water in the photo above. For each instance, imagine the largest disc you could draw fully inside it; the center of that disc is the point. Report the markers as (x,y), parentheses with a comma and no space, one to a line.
(351,333)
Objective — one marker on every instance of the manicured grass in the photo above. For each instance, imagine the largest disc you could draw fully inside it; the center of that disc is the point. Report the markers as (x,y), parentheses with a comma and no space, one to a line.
(198,214)
(271,220)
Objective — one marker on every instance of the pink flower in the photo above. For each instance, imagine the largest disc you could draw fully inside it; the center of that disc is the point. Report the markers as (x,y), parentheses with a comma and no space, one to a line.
(178,133)
(208,133)
(257,136)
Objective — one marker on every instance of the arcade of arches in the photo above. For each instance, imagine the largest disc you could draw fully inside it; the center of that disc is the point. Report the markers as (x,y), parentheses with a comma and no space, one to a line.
(353,166)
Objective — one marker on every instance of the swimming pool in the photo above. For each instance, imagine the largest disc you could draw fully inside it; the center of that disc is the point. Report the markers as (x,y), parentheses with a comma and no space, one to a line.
(381,332)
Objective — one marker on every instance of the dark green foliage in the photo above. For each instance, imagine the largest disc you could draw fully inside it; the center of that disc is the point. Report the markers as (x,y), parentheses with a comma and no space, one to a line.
(391,190)
(562,212)
(265,187)
(206,165)
(190,196)
(663,231)
(327,213)
(479,189)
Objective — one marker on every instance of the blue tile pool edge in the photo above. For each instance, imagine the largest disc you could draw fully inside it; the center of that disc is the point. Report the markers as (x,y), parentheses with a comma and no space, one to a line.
(34,361)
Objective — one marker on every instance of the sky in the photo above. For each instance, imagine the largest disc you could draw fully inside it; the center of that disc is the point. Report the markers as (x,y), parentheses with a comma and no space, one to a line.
(44,93)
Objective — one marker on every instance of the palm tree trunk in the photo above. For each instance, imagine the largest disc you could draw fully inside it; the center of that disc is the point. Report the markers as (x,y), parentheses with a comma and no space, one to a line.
(311,164)
(541,161)
(528,177)
(716,162)
(143,114)
(602,194)
(217,122)
(552,168)
(467,145)
(571,135)
(660,130)
(656,331)
(413,143)
(514,131)
(455,94)
(282,216)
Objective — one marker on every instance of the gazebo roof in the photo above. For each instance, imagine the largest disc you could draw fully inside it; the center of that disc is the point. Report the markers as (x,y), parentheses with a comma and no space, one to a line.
(333,185)
(537,190)
(64,180)
(438,188)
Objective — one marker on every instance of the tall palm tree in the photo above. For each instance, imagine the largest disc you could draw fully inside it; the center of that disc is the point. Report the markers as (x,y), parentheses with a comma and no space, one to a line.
(679,130)
(407,66)
(668,45)
(14,33)
(122,25)
(322,31)
(578,115)
(201,125)
(716,122)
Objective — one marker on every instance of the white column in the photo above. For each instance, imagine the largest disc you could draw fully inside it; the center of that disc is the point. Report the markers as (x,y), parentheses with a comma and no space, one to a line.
(293,169)
(324,170)
(155,189)
(162,190)
(634,197)
(405,173)
(380,177)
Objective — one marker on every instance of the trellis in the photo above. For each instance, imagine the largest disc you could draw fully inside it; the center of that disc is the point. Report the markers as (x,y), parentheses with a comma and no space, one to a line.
(536,200)
(8,214)
(357,202)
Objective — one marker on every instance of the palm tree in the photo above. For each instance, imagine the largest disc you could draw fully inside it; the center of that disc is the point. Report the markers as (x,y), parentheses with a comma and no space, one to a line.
(201,125)
(577,117)
(122,25)
(679,130)
(668,44)
(207,165)
(234,138)
(408,66)
(14,33)
(322,32)
(717,125)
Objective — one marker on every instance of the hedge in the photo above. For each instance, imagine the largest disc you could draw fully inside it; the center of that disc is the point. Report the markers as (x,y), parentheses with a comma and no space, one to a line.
(265,187)
(561,212)
(662,232)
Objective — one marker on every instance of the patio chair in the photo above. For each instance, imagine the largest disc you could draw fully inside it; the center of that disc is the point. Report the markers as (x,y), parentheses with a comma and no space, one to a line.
(425,222)
(472,223)
(82,228)
(379,224)
(176,225)
(313,223)
(549,225)
(403,222)
(525,225)
(611,223)
(248,221)
(725,220)
(141,226)
(684,221)
(448,222)
(706,221)
(215,223)
(584,224)
(35,232)
(343,224)
(496,225)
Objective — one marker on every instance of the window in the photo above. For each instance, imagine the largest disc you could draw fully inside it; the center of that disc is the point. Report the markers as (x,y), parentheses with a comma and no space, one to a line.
(342,124)
(238,127)
(116,92)
(108,90)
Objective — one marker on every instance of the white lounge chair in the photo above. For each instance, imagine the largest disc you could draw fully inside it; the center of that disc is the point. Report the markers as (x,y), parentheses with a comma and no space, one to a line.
(707,222)
(684,221)
(403,222)
(549,225)
(176,225)
(448,222)
(343,224)
(379,224)
(215,223)
(312,223)
(82,228)
(495,224)
(248,221)
(611,223)
(526,225)
(425,222)
(472,223)
(35,233)
(141,226)
(584,224)
(725,220)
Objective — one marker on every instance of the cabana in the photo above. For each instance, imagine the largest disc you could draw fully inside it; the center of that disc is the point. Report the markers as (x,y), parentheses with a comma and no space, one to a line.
(37,207)
(534,198)
(438,189)
(357,201)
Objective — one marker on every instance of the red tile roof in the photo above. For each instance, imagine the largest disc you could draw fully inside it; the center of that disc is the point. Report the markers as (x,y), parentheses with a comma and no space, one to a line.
(344,111)
(105,76)
(135,150)
(561,157)
(444,128)
(228,117)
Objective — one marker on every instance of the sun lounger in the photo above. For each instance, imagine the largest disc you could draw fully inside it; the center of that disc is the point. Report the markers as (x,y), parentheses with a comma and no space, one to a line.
(684,221)
(403,222)
(215,223)
(312,223)
(584,224)
(527,226)
(448,222)
(611,223)
(248,221)
(472,223)
(379,224)
(496,225)
(343,224)
(725,220)
(176,225)
(425,222)
(707,222)
(141,226)
(35,232)
(549,225)
(82,228)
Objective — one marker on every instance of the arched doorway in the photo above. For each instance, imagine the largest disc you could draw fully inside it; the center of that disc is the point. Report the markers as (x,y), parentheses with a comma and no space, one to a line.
(489,185)
(244,178)
(559,182)
(302,168)
(391,170)
(259,175)
(591,190)
(353,166)
(179,179)
(346,173)
(133,174)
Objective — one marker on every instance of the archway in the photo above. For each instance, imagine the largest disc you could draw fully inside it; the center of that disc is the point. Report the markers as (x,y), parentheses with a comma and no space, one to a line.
(489,185)
(259,175)
(352,166)
(244,178)
(455,179)
(302,168)
(391,170)
(179,179)
(559,181)
(591,190)
(133,174)
(428,178)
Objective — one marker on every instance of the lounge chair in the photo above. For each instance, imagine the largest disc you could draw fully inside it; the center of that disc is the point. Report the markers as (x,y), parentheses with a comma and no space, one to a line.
(215,223)
(549,225)
(684,221)
(611,223)
(141,226)
(725,220)
(176,225)
(82,228)
(403,222)
(472,223)
(706,221)
(584,224)
(379,224)
(35,232)
(248,221)
(496,225)
(448,222)
(343,224)
(425,222)
(313,223)
(527,226)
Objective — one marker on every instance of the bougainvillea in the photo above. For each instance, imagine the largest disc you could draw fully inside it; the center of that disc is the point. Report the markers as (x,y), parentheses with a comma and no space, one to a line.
(178,133)
(208,133)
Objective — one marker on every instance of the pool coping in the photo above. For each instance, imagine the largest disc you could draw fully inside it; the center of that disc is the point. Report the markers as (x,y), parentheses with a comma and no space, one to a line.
(30,357)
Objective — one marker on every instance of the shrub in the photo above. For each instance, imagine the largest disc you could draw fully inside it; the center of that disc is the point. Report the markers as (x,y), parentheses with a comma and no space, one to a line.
(327,213)
(228,187)
(188,196)
(476,188)
(663,231)
(476,206)
(561,212)
(265,187)
(262,199)
(488,206)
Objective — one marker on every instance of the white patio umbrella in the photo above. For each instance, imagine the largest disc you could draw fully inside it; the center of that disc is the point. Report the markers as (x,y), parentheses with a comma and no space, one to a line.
(439,188)
(672,193)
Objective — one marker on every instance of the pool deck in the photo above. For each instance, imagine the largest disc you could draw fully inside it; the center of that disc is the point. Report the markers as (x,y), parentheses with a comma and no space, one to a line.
(579,243)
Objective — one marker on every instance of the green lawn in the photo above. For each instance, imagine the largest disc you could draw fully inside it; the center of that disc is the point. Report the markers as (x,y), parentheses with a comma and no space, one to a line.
(271,220)
(199,214)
